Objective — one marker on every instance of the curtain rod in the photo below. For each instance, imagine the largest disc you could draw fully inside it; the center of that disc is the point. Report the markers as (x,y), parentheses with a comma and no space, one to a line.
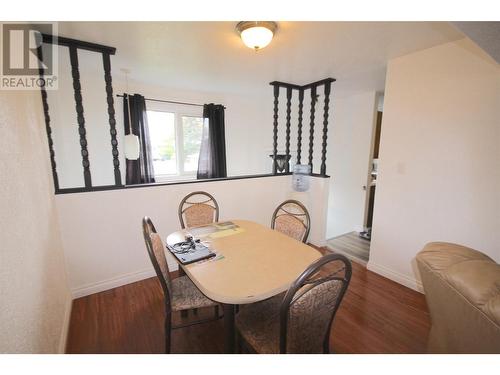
(169,101)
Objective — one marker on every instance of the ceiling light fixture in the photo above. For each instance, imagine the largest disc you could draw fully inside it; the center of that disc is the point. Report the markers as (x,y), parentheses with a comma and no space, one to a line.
(256,34)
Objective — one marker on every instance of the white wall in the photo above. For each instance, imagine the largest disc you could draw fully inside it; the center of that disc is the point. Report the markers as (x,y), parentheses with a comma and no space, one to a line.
(349,149)
(439,171)
(102,233)
(35,300)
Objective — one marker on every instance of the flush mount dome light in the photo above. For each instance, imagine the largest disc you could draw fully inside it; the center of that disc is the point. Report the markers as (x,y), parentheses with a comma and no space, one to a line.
(256,34)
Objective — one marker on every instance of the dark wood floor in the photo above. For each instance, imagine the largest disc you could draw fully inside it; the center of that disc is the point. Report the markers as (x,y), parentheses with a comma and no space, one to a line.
(377,315)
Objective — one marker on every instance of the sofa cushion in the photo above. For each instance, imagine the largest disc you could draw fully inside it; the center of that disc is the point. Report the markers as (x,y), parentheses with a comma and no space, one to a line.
(479,282)
(440,255)
(471,273)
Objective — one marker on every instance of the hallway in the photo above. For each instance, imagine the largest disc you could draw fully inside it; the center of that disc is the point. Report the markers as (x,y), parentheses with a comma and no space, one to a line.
(352,246)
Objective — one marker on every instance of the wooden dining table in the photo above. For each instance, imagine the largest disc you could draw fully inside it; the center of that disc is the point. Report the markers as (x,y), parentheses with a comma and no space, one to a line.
(252,263)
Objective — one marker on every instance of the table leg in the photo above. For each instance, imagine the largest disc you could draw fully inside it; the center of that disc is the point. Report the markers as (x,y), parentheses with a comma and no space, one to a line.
(229,337)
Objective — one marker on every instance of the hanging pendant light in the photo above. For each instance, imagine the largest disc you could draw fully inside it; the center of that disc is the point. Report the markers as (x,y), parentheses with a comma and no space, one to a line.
(132,147)
(256,34)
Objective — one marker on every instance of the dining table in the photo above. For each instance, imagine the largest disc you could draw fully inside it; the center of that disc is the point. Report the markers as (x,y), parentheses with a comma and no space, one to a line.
(252,262)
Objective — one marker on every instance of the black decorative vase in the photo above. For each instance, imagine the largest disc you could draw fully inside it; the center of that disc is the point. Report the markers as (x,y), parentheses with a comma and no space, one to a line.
(281,161)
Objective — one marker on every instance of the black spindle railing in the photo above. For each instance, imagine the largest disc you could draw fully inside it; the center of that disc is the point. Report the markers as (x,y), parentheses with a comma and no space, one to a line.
(311,126)
(325,127)
(75,72)
(288,117)
(299,126)
(48,129)
(275,128)
(111,115)
(74,46)
(314,98)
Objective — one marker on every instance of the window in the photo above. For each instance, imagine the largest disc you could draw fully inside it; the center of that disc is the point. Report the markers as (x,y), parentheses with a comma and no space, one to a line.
(175,143)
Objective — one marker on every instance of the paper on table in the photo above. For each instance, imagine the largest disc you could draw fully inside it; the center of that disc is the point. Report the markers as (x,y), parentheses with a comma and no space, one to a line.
(216,230)
(226,232)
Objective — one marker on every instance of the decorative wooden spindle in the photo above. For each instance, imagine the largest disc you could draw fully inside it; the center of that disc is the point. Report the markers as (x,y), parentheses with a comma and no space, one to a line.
(299,133)
(73,55)
(288,117)
(311,126)
(111,115)
(48,129)
(275,127)
(325,127)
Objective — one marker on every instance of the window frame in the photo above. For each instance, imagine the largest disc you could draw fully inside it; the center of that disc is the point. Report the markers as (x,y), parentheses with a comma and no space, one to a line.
(178,111)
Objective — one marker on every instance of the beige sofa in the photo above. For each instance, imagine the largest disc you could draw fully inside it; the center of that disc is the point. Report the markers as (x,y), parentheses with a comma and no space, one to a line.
(462,288)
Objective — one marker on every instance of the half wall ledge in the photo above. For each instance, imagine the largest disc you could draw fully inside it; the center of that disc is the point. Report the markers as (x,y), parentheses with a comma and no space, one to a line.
(120,187)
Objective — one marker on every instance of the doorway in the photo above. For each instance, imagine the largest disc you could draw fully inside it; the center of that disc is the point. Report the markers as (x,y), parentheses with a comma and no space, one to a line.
(353,185)
(371,185)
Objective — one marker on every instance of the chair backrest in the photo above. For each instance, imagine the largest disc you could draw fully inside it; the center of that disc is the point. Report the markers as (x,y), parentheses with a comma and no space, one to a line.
(156,252)
(310,304)
(198,208)
(292,218)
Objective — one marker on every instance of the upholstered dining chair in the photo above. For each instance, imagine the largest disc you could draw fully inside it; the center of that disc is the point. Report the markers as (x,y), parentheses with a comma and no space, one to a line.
(180,294)
(292,218)
(300,320)
(198,208)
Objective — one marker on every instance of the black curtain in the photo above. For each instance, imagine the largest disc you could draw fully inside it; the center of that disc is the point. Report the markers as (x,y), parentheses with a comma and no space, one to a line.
(212,161)
(136,122)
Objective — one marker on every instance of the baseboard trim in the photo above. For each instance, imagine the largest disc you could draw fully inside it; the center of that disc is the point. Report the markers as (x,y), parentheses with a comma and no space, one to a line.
(395,276)
(111,283)
(65,327)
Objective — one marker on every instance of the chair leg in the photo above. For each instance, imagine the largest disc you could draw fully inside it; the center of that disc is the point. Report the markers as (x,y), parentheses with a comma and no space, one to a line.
(168,332)
(238,342)
(326,345)
(184,313)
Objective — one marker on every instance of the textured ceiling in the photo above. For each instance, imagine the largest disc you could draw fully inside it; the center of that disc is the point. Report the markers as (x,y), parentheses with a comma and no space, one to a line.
(209,56)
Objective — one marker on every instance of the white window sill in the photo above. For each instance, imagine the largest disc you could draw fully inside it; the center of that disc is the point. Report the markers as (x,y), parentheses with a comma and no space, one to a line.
(172,178)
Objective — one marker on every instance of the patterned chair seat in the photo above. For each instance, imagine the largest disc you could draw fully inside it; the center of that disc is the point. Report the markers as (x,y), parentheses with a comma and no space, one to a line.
(186,296)
(259,324)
